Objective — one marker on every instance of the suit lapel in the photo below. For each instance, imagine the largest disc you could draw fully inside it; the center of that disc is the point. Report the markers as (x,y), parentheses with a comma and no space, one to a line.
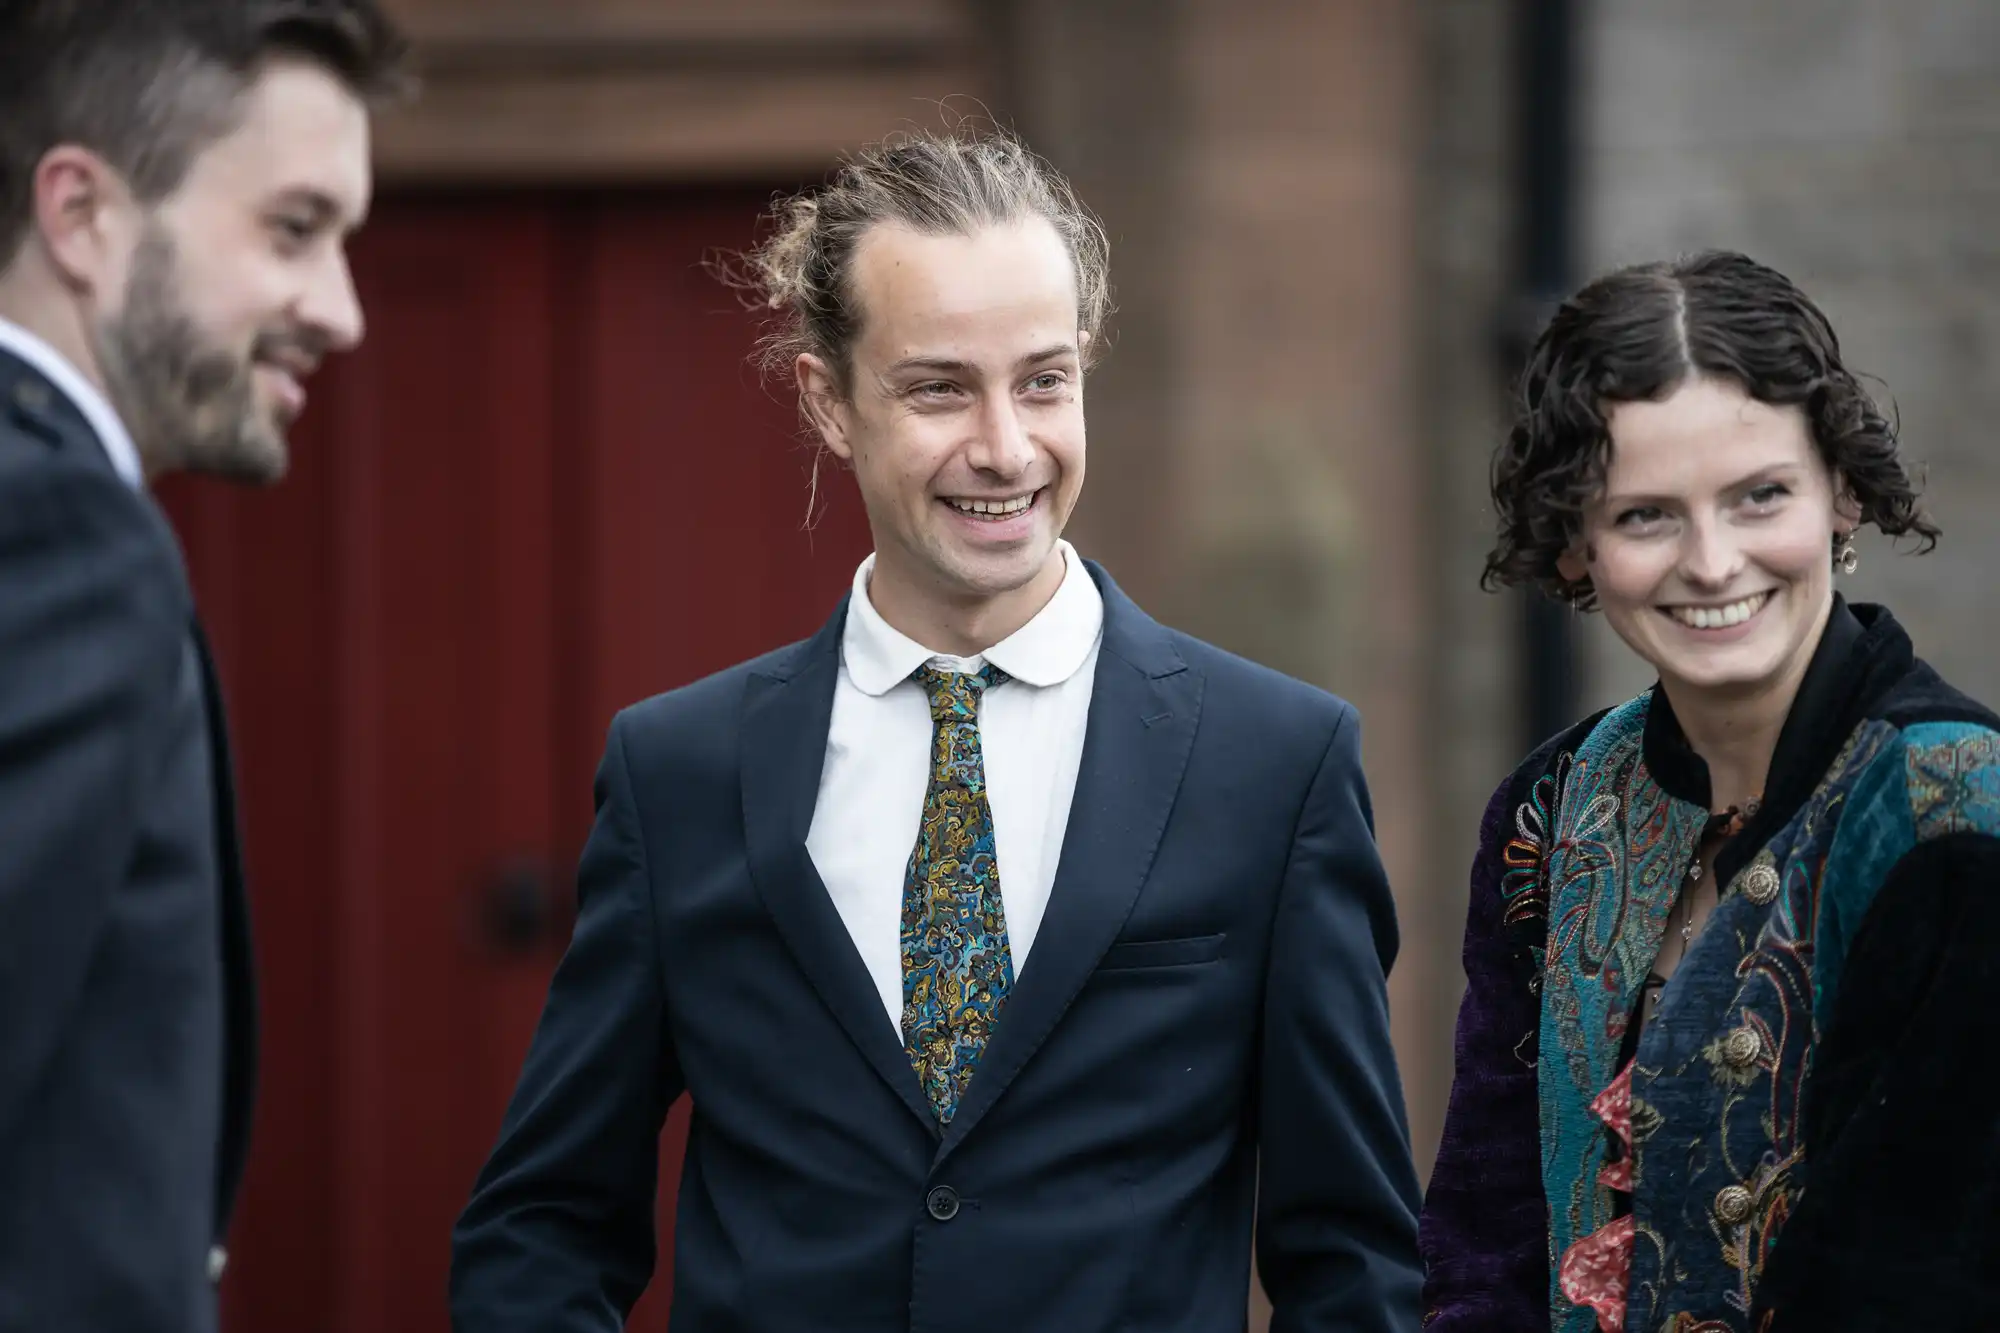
(786,717)
(38,402)
(238,960)
(1144,708)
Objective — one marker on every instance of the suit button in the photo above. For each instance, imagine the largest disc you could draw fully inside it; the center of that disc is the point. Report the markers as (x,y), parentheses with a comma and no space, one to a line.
(218,1261)
(1733,1205)
(1742,1047)
(942,1203)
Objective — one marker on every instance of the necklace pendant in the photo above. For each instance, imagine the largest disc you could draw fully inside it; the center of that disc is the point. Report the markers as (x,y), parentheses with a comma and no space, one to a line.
(1694,871)
(1687,931)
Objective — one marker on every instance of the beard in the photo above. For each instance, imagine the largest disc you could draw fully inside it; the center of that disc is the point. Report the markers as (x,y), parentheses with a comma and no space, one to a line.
(190,404)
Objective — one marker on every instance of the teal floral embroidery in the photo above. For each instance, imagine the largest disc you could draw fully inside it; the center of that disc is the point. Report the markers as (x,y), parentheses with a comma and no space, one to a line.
(1954,772)
(1619,850)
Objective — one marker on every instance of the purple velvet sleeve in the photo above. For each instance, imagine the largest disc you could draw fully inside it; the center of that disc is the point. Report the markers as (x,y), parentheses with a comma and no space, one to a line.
(1484,1233)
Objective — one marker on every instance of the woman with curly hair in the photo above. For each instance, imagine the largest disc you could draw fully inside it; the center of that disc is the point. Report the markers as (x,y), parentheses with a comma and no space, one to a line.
(1725,1056)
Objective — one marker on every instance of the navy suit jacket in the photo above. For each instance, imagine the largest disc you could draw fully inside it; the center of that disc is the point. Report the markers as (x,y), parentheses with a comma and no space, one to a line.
(1206,996)
(127,1023)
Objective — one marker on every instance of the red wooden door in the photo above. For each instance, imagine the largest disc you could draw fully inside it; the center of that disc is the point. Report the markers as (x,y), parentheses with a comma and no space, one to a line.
(548,485)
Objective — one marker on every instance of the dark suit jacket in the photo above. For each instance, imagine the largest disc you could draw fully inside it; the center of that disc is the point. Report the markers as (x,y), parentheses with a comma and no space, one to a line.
(1207,988)
(126,1014)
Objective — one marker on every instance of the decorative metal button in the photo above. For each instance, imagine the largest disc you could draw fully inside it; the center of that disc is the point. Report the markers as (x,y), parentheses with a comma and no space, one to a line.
(1760,883)
(1742,1047)
(1733,1205)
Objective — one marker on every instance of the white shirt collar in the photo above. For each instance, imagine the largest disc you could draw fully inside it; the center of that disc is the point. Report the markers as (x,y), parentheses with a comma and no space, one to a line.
(96,409)
(1046,651)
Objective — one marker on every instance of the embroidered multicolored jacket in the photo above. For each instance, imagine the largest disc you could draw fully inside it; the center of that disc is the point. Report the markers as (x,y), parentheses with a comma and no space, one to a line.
(1817,1140)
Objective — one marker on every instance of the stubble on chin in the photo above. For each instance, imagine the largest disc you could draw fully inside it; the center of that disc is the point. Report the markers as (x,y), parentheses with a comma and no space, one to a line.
(190,406)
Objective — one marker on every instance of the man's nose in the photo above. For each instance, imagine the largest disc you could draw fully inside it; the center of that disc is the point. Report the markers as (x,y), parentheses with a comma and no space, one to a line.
(332,306)
(1004,448)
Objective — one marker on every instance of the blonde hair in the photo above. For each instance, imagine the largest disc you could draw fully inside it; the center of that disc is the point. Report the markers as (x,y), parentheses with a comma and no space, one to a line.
(934,184)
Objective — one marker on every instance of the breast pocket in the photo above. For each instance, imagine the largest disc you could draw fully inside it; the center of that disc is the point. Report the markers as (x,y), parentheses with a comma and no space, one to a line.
(1132,955)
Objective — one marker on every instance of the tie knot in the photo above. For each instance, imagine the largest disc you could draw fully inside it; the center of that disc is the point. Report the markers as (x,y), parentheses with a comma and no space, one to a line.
(955,694)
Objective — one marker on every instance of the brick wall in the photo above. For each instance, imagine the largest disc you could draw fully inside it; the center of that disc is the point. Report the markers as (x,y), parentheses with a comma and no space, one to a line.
(1258,470)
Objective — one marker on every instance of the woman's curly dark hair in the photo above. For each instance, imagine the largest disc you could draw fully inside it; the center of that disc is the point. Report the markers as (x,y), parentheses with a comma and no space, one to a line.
(1637,334)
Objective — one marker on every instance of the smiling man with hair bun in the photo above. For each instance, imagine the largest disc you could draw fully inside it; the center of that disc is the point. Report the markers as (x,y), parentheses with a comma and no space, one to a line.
(1018,953)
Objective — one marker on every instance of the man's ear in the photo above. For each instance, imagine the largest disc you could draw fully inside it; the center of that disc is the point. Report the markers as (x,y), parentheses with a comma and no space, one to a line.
(824,404)
(77,196)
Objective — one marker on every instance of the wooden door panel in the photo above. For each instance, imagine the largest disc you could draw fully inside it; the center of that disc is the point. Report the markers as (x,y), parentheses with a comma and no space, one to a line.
(447,699)
(700,553)
(264,567)
(547,486)
(697,552)
(384,621)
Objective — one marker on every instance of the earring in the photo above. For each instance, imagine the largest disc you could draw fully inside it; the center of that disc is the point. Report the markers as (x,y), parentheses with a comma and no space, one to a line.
(1845,557)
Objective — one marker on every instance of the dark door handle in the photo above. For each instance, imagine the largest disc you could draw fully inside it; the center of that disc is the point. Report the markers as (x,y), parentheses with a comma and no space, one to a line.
(516,908)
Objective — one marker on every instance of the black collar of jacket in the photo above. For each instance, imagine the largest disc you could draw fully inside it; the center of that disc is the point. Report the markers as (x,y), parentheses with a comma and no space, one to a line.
(1862,655)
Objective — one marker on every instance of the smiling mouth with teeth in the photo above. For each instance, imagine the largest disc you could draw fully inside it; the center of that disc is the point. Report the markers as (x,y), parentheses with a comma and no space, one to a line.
(994,510)
(1719,617)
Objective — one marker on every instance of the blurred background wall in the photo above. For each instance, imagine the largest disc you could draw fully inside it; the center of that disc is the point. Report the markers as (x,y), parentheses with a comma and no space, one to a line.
(1856,152)
(549,485)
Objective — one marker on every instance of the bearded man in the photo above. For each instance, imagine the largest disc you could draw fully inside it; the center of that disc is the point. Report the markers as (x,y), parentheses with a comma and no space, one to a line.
(177,182)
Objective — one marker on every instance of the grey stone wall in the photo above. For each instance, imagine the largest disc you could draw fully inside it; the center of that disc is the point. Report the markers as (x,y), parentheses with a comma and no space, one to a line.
(1854,144)
(1310,217)
(1472,736)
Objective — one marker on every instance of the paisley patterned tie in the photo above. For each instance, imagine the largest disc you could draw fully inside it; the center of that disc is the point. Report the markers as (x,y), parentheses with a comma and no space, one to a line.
(957,968)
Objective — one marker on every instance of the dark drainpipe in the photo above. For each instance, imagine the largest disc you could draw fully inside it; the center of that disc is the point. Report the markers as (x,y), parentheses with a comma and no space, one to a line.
(1544,262)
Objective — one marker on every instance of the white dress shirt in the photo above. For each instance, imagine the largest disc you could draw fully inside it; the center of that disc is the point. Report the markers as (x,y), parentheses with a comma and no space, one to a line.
(871,790)
(96,409)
